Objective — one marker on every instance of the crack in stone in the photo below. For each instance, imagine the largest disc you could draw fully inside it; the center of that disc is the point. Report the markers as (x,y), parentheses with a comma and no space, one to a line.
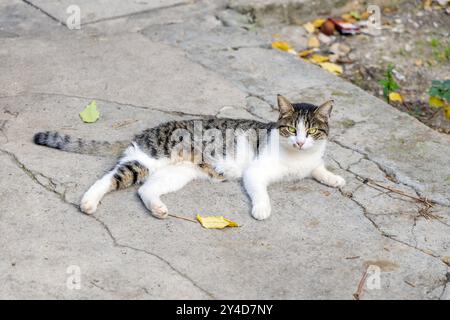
(43,11)
(52,186)
(63,23)
(367,215)
(446,282)
(389,172)
(174,113)
(62,196)
(2,130)
(175,5)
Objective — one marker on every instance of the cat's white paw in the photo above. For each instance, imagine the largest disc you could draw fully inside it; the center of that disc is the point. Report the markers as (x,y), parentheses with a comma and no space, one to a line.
(88,205)
(261,211)
(159,210)
(335,181)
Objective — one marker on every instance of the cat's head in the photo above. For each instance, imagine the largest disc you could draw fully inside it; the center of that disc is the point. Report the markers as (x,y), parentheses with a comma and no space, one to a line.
(302,125)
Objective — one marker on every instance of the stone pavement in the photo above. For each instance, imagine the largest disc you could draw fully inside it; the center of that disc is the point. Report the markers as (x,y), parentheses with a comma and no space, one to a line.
(153,61)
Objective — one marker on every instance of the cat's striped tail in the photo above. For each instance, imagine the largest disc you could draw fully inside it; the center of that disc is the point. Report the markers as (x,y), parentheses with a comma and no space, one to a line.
(56,140)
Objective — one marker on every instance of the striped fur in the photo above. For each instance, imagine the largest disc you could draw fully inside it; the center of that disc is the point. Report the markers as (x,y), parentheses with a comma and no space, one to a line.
(128,174)
(151,153)
(54,139)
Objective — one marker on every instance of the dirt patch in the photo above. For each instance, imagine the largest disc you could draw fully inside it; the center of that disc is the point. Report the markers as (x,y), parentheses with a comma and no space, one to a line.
(414,41)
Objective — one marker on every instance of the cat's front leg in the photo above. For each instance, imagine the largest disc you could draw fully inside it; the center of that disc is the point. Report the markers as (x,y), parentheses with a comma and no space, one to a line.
(256,186)
(324,176)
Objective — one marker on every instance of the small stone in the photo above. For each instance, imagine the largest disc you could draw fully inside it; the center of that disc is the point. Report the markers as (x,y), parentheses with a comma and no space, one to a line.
(408,47)
(325,39)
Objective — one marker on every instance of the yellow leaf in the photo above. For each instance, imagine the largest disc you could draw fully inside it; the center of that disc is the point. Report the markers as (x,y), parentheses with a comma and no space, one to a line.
(348,18)
(395,97)
(281,45)
(90,114)
(332,67)
(305,53)
(365,15)
(317,58)
(309,27)
(447,111)
(318,23)
(436,102)
(313,42)
(217,222)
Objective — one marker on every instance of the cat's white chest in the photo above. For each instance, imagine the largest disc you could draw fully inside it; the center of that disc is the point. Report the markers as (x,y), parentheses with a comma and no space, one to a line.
(276,165)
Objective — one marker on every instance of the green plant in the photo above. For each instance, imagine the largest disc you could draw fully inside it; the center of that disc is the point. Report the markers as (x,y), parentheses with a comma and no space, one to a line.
(388,83)
(439,52)
(440,89)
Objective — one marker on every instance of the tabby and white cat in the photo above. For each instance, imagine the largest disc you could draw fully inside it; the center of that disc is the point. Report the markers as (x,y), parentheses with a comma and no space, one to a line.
(300,133)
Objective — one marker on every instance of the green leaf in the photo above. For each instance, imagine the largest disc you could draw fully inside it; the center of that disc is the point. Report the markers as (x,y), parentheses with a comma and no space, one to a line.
(434,92)
(90,114)
(356,15)
(447,84)
(447,96)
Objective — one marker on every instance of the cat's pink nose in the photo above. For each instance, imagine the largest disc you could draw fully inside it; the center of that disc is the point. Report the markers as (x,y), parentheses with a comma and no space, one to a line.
(299,144)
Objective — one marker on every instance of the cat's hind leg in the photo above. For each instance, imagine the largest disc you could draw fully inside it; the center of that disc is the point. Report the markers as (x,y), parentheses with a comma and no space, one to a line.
(123,175)
(165,180)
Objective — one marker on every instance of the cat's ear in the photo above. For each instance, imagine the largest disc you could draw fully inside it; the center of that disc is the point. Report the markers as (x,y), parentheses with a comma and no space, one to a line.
(284,106)
(324,110)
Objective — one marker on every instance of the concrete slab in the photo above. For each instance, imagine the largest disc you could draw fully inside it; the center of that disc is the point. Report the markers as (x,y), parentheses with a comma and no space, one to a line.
(125,69)
(20,19)
(97,10)
(317,244)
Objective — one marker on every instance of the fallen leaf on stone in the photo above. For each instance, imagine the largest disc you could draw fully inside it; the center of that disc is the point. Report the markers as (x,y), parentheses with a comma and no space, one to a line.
(318,23)
(447,111)
(281,45)
(346,28)
(395,97)
(356,15)
(348,18)
(215,222)
(309,27)
(436,102)
(90,114)
(328,27)
(317,58)
(305,53)
(365,15)
(331,67)
(313,42)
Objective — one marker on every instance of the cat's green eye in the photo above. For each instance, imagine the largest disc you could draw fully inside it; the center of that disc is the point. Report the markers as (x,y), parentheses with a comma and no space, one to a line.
(312,130)
(292,130)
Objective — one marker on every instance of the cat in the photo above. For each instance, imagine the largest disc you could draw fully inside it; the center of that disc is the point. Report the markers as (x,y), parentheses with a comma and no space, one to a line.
(292,148)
